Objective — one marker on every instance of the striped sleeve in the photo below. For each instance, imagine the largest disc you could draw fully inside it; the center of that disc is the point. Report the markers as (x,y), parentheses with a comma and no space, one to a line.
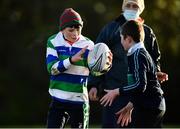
(54,65)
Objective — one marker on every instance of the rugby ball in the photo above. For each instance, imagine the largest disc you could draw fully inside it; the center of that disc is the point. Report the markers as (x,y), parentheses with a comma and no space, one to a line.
(98,59)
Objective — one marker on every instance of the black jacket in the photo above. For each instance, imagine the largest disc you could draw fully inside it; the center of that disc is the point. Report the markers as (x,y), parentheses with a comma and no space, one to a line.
(117,76)
(143,87)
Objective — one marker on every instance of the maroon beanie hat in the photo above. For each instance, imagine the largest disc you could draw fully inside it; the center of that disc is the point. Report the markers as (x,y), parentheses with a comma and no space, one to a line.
(68,18)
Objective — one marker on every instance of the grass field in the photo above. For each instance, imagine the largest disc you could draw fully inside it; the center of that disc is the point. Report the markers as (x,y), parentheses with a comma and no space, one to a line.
(90,126)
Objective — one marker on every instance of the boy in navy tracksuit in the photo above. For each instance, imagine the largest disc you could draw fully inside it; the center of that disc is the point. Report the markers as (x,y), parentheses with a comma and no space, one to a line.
(146,95)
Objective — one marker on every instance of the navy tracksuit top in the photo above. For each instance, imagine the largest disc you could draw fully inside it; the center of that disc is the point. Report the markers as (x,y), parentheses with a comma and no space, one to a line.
(143,86)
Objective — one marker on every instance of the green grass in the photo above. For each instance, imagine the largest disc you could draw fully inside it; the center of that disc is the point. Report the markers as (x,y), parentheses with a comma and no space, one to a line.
(67,126)
(171,126)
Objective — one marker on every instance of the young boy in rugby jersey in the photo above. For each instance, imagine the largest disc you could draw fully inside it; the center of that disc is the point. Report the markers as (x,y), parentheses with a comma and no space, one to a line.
(67,66)
(146,95)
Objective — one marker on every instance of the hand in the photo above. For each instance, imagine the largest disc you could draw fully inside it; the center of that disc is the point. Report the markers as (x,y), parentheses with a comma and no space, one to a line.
(109,97)
(93,94)
(125,115)
(78,56)
(162,76)
(110,57)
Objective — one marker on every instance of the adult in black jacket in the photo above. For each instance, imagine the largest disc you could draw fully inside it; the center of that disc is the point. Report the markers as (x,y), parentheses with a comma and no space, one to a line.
(117,76)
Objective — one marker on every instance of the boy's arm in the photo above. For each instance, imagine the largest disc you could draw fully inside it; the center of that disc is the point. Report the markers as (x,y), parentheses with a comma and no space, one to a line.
(139,73)
(138,85)
(54,65)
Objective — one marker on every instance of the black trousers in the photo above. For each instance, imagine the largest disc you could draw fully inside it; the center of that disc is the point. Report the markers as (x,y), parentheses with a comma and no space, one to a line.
(61,113)
(147,118)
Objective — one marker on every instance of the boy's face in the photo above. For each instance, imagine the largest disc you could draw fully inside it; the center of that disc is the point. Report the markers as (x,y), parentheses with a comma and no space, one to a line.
(126,42)
(72,33)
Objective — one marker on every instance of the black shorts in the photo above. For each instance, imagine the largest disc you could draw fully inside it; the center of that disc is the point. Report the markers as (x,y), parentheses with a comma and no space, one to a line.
(61,113)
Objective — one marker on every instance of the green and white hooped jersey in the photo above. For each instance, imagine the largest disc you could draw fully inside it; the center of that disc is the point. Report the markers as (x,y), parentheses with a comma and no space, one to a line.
(68,82)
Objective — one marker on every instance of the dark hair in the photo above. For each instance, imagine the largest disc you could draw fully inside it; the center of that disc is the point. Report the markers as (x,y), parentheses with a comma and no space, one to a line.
(134,29)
